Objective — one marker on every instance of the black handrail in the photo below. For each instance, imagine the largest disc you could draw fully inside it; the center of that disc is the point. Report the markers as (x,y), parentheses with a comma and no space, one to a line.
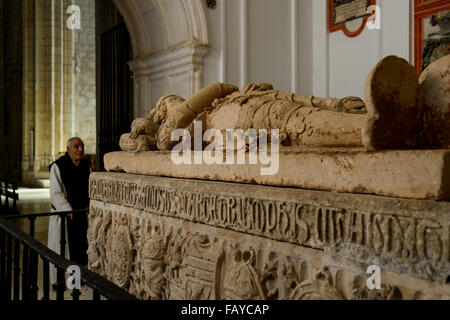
(32,218)
(32,250)
(41,215)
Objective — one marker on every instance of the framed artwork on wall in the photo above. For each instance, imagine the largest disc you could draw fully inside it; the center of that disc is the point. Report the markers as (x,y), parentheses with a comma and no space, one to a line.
(350,16)
(431,32)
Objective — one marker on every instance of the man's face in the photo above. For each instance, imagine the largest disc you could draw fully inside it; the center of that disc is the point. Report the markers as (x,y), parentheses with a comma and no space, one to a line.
(154,275)
(76,151)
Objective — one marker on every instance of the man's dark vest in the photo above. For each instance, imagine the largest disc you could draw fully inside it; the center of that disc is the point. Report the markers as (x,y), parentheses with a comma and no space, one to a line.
(76,181)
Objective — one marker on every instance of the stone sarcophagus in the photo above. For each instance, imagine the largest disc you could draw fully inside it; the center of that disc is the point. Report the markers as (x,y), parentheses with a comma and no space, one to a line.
(167,238)
(356,208)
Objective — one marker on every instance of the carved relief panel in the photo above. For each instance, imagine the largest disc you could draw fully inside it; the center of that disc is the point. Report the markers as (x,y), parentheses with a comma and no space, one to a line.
(157,257)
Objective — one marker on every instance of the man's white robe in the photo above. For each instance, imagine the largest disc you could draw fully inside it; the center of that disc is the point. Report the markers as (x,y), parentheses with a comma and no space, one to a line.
(58,196)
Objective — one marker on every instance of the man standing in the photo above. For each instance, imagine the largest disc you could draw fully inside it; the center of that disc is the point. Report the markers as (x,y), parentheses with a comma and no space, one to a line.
(69,191)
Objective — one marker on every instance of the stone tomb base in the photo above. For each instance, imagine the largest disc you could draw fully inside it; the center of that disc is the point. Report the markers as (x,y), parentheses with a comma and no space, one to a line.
(167,238)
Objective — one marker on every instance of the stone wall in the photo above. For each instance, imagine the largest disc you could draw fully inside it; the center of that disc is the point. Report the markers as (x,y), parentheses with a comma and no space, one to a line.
(29,93)
(166,238)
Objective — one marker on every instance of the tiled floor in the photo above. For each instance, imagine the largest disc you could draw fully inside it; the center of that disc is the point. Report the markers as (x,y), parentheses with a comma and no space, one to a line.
(32,201)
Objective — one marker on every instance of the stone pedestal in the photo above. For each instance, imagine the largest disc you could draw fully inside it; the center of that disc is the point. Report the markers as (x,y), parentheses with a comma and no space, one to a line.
(168,238)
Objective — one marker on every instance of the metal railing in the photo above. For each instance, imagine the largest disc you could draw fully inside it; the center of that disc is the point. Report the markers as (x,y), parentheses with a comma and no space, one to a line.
(8,190)
(19,261)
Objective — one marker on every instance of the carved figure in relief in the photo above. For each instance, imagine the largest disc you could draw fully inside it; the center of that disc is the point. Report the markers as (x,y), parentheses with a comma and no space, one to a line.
(269,278)
(321,287)
(136,249)
(154,267)
(196,291)
(203,255)
(293,281)
(176,252)
(119,255)
(392,115)
(99,225)
(361,292)
(288,276)
(94,254)
(242,281)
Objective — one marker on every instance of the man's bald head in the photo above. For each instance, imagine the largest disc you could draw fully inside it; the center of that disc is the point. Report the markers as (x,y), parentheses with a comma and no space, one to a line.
(75,149)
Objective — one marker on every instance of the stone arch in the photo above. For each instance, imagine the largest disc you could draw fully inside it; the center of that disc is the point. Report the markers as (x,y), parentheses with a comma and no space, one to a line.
(169,39)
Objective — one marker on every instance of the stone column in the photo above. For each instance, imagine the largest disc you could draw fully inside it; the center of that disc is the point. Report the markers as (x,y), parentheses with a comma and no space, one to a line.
(43,85)
(29,96)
